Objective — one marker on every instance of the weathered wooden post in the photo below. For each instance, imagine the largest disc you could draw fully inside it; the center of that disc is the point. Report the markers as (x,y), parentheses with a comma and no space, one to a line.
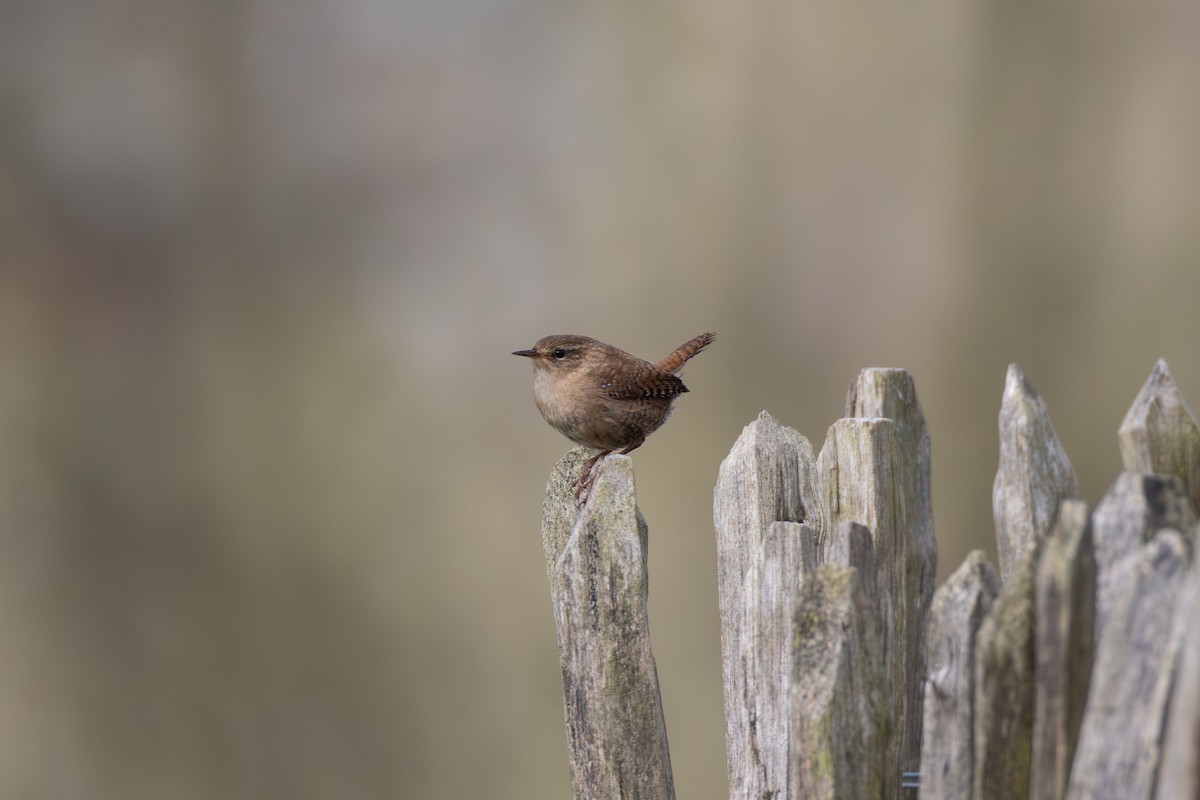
(773,584)
(1034,474)
(766,478)
(1065,611)
(596,561)
(834,557)
(1145,539)
(890,394)
(1033,480)
(948,748)
(1078,690)
(1134,508)
(1179,775)
(1120,742)
(1159,434)
(1078,677)
(1004,673)
(840,719)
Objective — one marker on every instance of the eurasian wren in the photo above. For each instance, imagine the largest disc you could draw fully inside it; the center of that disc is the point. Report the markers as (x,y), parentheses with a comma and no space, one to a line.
(602,397)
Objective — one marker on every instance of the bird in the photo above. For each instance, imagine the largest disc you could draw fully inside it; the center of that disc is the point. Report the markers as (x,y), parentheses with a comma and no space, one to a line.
(602,397)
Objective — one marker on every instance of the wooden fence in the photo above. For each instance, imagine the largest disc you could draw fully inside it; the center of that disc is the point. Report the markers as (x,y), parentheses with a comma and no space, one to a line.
(1073,671)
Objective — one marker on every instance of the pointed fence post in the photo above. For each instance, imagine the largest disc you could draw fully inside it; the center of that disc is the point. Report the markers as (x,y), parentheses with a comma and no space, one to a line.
(959,608)
(766,478)
(1034,475)
(596,561)
(891,394)
(861,517)
(1004,675)
(1065,608)
(1160,434)
(1120,741)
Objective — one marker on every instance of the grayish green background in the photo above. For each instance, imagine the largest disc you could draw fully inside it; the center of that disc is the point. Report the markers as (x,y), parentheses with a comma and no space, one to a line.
(270,482)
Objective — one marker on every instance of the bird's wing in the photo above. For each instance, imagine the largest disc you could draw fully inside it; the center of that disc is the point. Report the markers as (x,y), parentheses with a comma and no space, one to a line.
(645,380)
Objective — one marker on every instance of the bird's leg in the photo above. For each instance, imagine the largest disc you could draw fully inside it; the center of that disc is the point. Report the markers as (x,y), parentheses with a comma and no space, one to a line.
(583,484)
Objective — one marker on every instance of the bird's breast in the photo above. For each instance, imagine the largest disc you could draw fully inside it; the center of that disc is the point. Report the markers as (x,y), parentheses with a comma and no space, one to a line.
(582,412)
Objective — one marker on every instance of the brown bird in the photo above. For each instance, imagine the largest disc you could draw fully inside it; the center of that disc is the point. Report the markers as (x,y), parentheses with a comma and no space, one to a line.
(600,396)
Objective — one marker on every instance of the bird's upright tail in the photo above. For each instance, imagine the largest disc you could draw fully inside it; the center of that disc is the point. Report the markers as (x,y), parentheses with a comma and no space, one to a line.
(674,362)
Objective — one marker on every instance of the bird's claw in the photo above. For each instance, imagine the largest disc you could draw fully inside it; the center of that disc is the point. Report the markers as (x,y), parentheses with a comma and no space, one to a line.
(587,477)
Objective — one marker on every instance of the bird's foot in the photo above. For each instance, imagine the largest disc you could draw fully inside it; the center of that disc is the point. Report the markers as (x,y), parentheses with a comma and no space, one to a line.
(587,476)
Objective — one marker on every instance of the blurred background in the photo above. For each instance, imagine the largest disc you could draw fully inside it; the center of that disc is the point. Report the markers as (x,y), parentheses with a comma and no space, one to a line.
(270,481)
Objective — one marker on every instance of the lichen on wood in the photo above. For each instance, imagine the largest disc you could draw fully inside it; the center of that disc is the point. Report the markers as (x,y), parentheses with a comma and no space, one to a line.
(1065,606)
(840,722)
(1004,674)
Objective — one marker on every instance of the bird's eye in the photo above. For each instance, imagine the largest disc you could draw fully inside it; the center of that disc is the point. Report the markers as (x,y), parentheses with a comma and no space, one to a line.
(560,353)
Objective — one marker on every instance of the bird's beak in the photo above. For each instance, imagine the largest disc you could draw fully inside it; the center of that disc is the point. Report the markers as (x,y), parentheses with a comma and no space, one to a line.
(526,353)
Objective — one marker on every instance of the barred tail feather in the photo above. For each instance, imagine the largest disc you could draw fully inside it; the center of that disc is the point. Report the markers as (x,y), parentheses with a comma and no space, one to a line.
(674,362)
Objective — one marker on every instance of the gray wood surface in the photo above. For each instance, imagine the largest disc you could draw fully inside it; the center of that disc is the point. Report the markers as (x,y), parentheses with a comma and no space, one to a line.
(596,561)
(1117,757)
(1034,474)
(1179,775)
(773,581)
(860,519)
(947,750)
(1065,602)
(1160,434)
(1004,675)
(838,695)
(890,393)
(1133,509)
(851,546)
(861,474)
(768,476)
(1078,677)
